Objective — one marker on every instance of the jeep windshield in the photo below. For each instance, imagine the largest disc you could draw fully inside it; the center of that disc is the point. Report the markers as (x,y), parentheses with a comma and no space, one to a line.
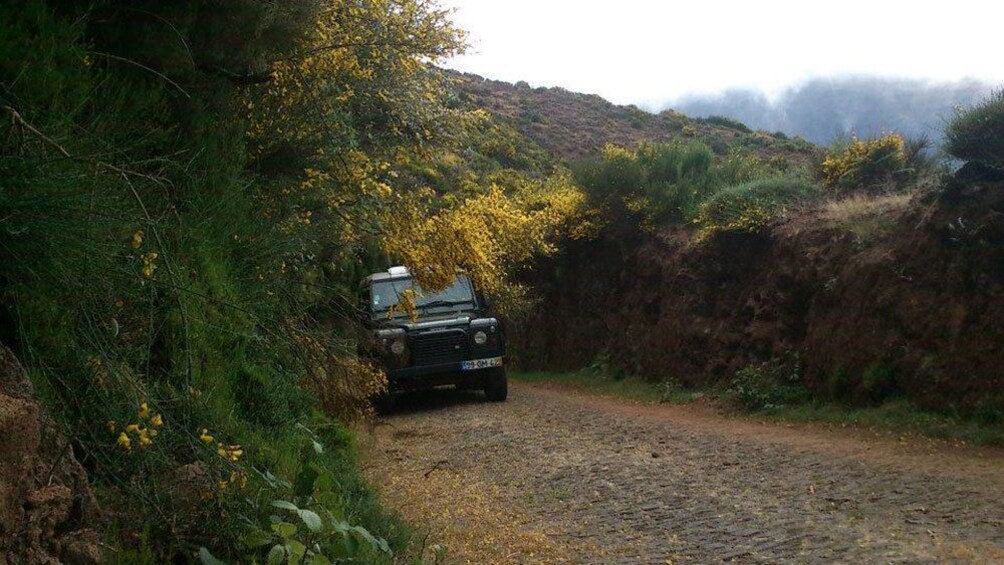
(387,293)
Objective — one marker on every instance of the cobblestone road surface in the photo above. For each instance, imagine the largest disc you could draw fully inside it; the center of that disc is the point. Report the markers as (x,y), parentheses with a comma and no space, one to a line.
(555,475)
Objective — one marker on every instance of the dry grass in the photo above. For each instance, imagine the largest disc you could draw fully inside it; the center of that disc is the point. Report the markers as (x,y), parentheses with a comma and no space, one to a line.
(866,216)
(856,207)
(478,521)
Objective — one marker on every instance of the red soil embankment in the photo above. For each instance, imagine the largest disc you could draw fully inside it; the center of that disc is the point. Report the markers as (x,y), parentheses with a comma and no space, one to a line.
(913,288)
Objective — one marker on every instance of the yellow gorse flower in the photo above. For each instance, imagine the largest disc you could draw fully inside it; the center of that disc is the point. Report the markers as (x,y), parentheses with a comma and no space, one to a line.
(146,436)
(848,164)
(231,452)
(205,437)
(137,239)
(238,478)
(149,264)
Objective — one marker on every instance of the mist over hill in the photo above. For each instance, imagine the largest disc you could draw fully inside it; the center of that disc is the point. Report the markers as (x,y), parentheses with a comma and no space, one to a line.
(823,109)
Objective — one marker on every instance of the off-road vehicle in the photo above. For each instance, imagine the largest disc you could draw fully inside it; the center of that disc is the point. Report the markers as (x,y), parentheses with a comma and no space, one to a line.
(450,338)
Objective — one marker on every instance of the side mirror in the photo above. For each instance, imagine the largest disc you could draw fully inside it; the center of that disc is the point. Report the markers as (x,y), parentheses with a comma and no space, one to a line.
(488,302)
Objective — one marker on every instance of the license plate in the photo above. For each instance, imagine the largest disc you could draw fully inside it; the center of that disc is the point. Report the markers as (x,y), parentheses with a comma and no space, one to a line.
(476,364)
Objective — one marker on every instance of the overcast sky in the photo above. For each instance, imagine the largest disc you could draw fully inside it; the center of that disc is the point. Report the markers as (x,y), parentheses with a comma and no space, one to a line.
(648,52)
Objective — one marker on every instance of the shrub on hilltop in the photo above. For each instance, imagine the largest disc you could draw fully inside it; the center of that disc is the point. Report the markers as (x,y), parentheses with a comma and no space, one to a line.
(664,183)
(750,207)
(977,133)
(863,163)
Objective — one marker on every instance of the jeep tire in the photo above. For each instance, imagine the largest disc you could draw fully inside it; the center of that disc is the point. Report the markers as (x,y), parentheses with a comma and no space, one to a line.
(385,403)
(496,385)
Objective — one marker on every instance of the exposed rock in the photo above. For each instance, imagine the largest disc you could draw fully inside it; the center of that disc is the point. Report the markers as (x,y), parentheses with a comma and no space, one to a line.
(188,484)
(18,444)
(45,499)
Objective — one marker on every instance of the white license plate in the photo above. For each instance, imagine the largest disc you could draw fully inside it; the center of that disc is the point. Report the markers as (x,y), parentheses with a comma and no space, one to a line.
(476,364)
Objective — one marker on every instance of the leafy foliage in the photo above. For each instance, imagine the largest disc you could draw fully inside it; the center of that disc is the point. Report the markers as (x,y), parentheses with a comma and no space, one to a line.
(769,385)
(864,163)
(977,133)
(750,207)
(661,183)
(489,235)
(191,193)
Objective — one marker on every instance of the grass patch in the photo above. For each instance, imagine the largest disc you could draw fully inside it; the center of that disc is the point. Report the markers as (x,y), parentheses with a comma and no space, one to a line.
(897,416)
(853,208)
(894,416)
(867,217)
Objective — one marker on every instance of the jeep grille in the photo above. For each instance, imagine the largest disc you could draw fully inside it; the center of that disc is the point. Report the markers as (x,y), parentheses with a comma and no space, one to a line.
(439,347)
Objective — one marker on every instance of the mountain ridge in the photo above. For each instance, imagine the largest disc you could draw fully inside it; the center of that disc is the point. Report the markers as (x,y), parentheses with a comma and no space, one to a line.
(571,125)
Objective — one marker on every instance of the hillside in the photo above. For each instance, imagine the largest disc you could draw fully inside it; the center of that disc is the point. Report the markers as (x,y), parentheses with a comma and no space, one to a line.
(841,270)
(876,278)
(570,125)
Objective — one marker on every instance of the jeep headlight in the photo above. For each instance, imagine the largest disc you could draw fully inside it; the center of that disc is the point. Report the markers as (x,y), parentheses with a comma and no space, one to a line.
(397,346)
(480,337)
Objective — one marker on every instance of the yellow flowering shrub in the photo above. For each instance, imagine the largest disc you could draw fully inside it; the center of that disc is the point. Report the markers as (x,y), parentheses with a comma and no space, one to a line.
(863,163)
(489,236)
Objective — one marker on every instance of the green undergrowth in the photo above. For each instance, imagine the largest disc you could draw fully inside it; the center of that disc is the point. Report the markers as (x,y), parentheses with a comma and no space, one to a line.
(898,417)
(894,416)
(167,321)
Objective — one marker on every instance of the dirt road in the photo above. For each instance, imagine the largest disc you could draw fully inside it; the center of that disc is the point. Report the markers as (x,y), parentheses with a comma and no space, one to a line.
(557,476)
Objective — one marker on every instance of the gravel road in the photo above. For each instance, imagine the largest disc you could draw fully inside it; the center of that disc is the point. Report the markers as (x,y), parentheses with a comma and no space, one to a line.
(559,476)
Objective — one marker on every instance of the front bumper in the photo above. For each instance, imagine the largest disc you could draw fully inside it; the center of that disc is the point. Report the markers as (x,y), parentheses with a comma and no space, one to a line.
(429,376)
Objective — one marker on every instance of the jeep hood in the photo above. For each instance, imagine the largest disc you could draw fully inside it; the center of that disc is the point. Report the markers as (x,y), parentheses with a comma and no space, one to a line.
(428,322)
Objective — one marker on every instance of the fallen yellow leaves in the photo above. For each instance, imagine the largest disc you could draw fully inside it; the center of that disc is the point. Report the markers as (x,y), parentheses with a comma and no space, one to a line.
(477,522)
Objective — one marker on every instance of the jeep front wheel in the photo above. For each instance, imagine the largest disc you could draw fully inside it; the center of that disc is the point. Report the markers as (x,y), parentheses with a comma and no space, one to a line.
(384,403)
(497,385)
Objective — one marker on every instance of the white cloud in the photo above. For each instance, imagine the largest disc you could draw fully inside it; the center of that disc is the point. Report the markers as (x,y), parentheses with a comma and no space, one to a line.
(634,51)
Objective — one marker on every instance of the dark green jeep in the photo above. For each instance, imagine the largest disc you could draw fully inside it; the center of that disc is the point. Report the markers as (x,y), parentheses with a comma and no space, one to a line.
(455,340)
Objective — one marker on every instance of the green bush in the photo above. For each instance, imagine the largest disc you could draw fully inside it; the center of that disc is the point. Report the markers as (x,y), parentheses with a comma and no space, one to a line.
(878,384)
(662,183)
(678,177)
(769,385)
(977,133)
(750,207)
(726,122)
